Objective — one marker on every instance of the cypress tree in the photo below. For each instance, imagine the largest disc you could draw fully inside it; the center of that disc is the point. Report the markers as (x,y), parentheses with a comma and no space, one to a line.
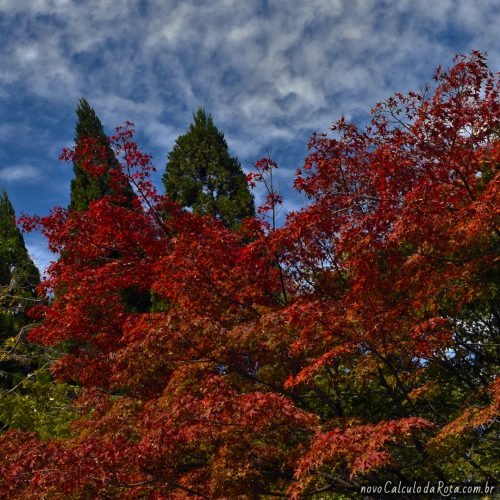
(16,266)
(86,187)
(30,400)
(201,175)
(18,280)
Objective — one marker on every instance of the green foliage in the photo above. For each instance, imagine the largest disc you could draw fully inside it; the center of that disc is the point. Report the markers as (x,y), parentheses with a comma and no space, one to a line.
(201,174)
(18,279)
(38,404)
(86,187)
(15,263)
(29,399)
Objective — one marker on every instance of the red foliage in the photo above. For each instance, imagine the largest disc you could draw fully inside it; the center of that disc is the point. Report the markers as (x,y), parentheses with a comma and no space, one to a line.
(218,363)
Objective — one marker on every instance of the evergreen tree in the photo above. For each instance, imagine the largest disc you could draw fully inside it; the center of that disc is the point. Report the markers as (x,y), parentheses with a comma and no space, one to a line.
(86,187)
(201,174)
(18,279)
(29,398)
(17,270)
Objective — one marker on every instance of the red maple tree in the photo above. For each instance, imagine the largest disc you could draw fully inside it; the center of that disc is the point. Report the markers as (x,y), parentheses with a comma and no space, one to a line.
(355,344)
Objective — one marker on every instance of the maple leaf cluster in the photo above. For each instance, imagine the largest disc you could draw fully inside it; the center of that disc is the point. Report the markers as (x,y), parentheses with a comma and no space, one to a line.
(354,344)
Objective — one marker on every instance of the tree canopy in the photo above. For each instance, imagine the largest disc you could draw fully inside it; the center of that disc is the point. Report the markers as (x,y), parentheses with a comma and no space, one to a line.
(201,174)
(16,266)
(96,169)
(18,280)
(369,354)
(30,400)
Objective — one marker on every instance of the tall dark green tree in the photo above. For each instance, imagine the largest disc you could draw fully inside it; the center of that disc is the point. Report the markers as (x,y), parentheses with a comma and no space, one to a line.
(18,280)
(29,398)
(201,174)
(17,270)
(93,147)
(85,186)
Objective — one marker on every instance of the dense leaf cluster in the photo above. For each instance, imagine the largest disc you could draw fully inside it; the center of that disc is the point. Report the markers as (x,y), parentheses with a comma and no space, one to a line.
(29,398)
(203,176)
(97,172)
(18,280)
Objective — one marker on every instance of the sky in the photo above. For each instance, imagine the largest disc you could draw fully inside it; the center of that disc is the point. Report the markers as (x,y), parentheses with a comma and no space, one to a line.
(270,72)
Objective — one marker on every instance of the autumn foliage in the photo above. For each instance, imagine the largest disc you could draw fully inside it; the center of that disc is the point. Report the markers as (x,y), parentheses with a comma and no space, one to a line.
(355,344)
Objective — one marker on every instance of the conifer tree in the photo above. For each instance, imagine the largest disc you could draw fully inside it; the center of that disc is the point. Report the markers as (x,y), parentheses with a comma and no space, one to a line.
(30,399)
(201,175)
(16,267)
(92,146)
(86,187)
(18,279)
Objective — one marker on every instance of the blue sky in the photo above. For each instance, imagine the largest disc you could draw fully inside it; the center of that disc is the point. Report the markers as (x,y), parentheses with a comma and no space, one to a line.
(270,72)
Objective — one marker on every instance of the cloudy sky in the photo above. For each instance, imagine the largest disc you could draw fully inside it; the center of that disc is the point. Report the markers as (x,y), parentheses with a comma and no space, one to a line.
(269,71)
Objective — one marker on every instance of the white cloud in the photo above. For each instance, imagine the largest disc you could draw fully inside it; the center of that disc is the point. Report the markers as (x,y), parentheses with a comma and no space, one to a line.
(20,173)
(269,72)
(160,134)
(37,248)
